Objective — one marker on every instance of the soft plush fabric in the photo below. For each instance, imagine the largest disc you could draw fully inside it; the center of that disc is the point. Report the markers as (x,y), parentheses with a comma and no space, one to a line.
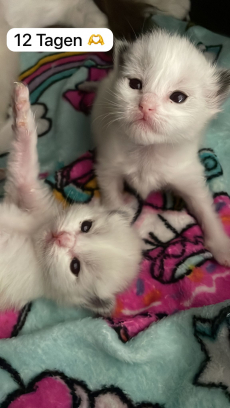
(69,360)
(57,357)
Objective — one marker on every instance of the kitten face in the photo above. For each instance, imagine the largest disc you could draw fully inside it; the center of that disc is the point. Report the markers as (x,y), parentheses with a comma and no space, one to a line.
(165,90)
(90,255)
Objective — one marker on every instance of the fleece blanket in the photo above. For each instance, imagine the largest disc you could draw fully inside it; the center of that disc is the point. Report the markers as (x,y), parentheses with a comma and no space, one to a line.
(63,357)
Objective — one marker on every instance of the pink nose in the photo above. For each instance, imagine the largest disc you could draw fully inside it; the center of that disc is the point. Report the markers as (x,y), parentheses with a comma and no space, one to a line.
(63,239)
(147,107)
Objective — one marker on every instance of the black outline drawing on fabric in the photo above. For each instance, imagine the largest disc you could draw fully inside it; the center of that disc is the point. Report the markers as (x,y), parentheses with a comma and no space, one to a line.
(13,328)
(4,365)
(121,329)
(211,330)
(63,179)
(213,170)
(221,193)
(62,182)
(21,320)
(78,391)
(44,117)
(178,239)
(211,164)
(82,105)
(155,242)
(3,155)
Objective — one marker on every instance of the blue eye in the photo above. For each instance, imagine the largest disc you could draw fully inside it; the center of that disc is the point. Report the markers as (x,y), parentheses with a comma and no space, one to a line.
(135,83)
(75,266)
(178,97)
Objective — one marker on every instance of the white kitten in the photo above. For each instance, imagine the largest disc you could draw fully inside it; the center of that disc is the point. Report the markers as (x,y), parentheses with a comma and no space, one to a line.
(82,255)
(148,121)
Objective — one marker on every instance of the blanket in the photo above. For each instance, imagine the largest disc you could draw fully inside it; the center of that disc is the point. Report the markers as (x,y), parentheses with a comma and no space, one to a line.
(67,357)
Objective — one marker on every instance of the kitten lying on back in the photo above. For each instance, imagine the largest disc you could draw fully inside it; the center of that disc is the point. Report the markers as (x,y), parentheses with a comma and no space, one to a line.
(83,255)
(148,120)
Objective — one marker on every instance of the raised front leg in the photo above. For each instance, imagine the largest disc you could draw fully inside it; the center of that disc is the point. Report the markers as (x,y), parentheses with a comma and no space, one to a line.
(23,187)
(193,189)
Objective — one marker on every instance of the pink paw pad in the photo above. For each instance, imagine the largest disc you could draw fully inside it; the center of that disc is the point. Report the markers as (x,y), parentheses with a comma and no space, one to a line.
(21,124)
(22,105)
(21,96)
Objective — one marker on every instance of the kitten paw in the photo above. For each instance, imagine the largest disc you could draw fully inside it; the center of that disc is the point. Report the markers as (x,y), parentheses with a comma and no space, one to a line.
(220,249)
(21,107)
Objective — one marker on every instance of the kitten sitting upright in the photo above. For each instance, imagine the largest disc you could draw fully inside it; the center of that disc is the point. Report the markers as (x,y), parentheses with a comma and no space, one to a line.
(148,120)
(82,255)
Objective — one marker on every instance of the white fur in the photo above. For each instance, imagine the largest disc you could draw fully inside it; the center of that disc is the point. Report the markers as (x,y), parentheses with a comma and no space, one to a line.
(32,264)
(161,152)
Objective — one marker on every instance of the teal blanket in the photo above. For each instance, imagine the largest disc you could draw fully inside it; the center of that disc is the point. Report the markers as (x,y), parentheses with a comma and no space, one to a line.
(52,357)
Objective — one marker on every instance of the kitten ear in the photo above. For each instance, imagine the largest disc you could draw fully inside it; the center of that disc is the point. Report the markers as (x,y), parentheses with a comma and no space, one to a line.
(120,49)
(125,212)
(217,88)
(94,203)
(223,82)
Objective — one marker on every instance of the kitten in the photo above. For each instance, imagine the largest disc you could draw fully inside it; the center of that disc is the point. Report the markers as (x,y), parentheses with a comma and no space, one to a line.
(82,255)
(148,120)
